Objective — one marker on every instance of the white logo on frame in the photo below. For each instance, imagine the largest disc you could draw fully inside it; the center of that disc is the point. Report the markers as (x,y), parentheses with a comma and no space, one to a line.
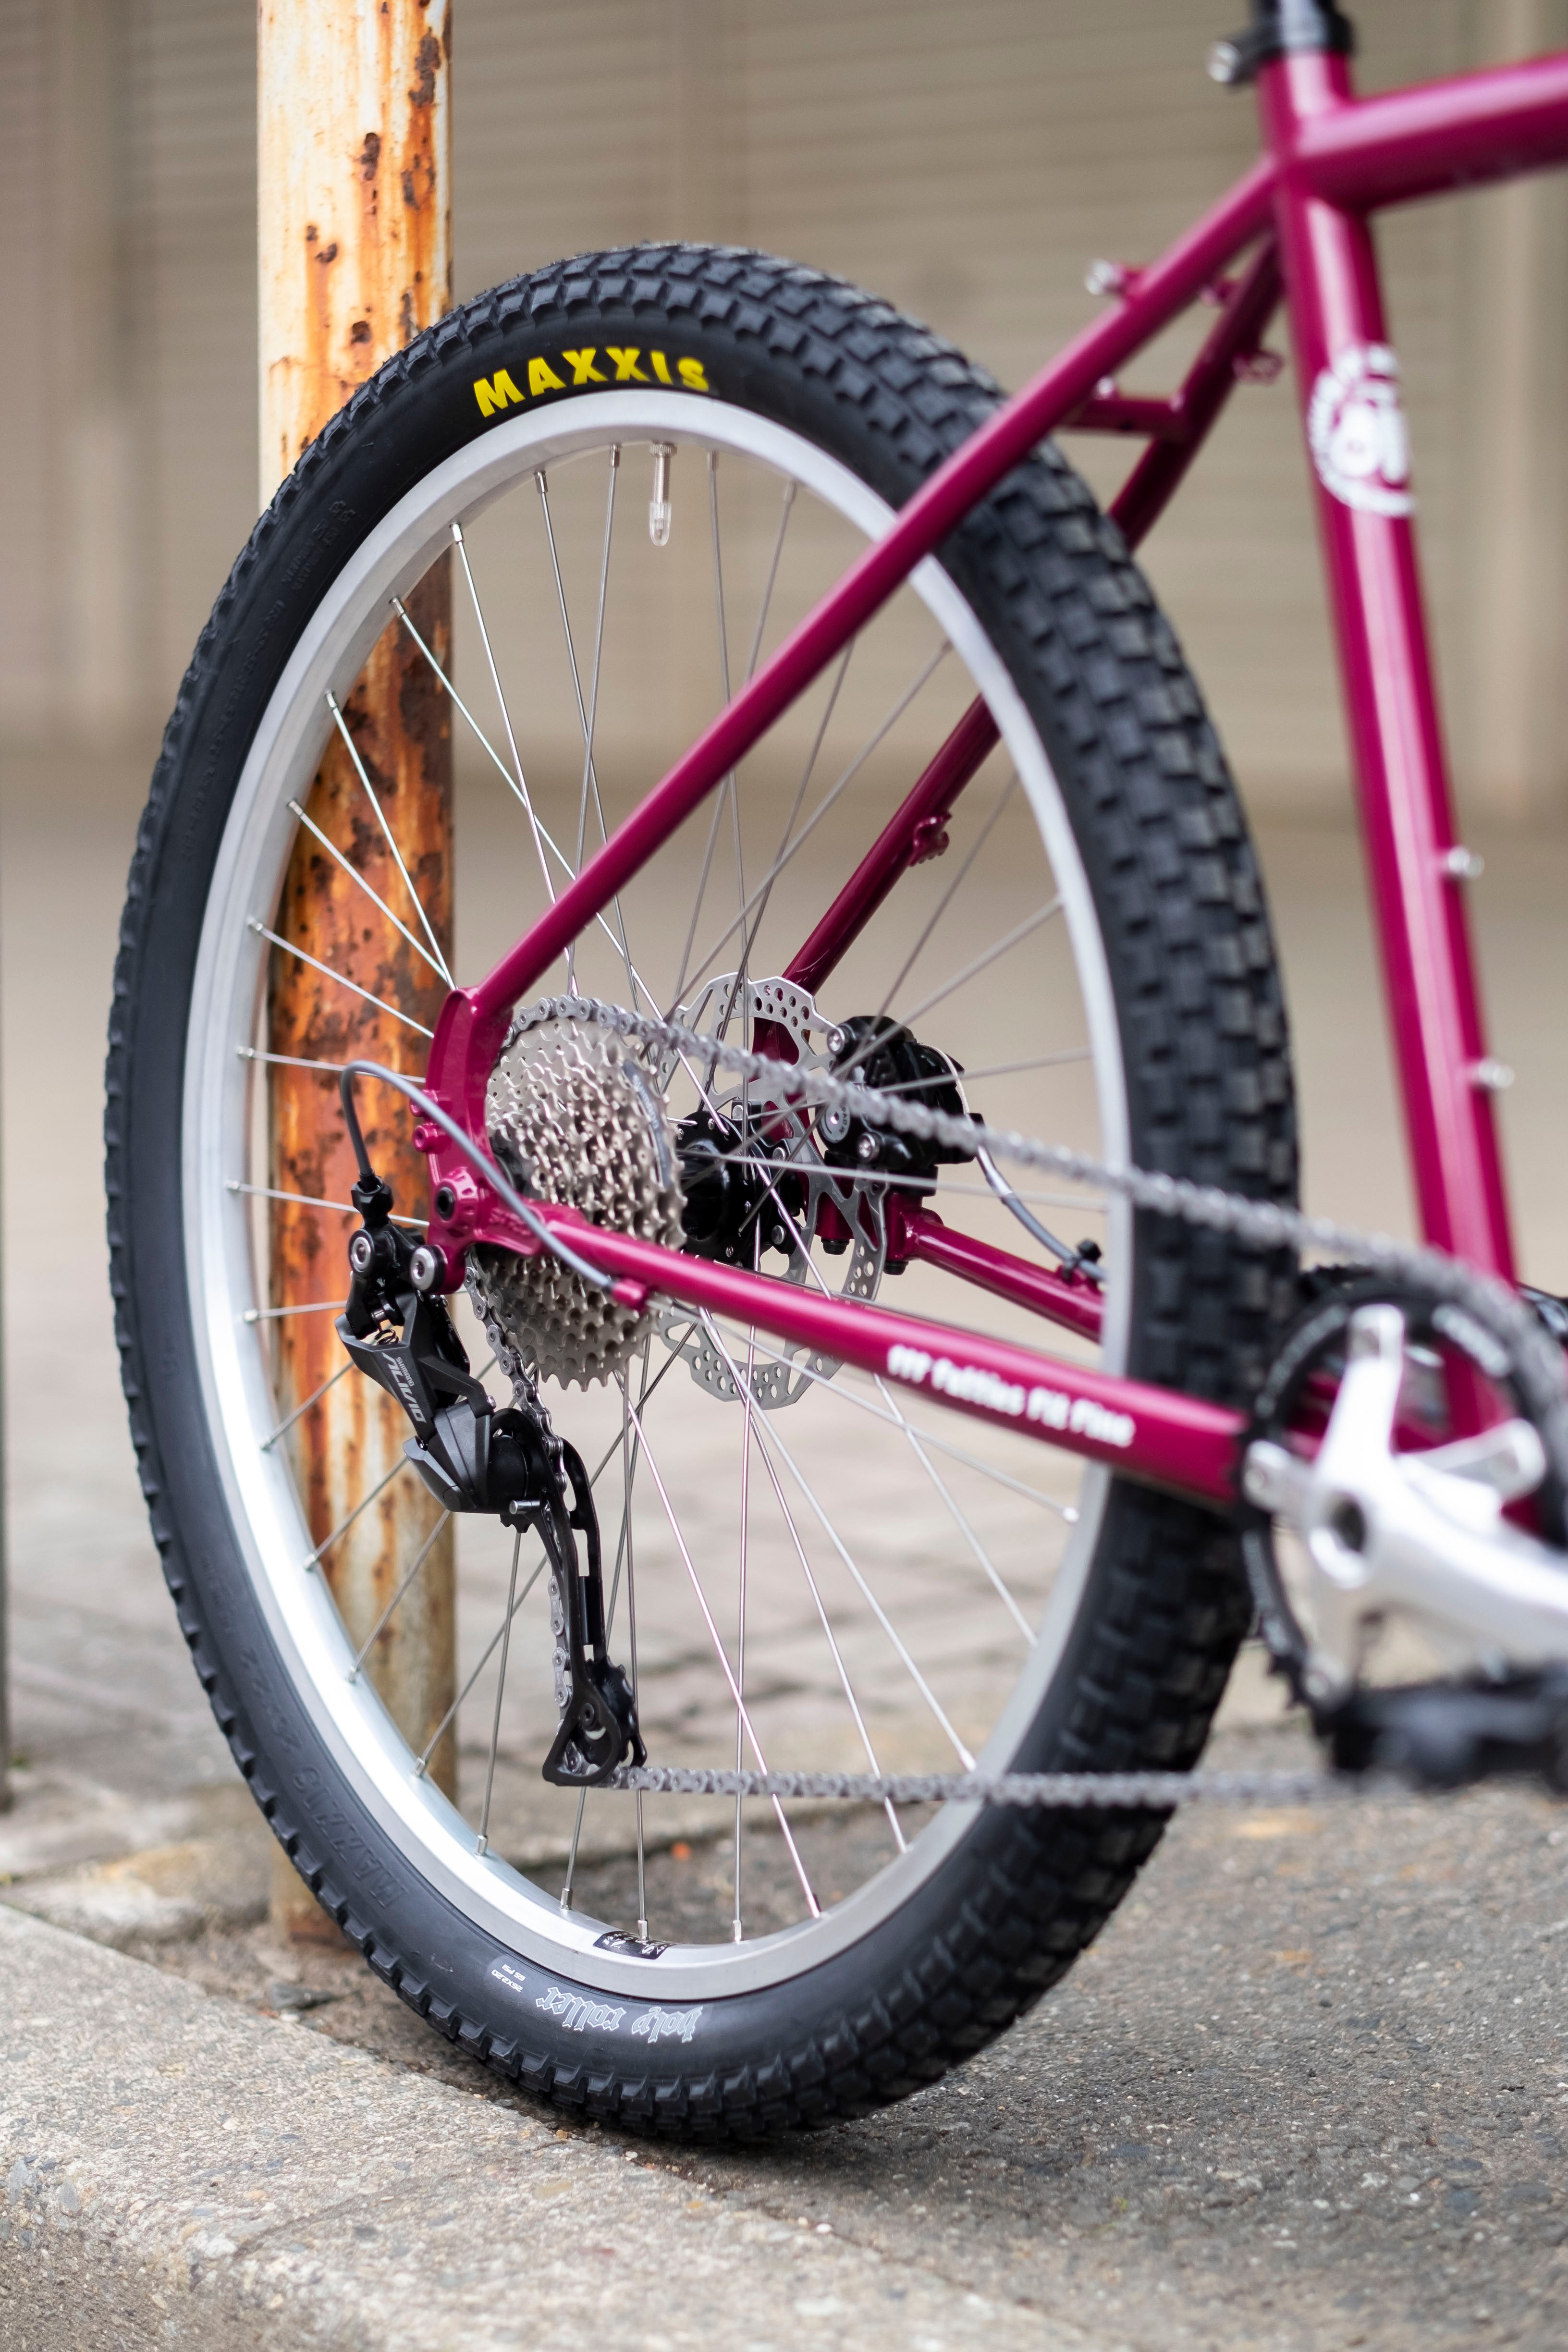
(1355,427)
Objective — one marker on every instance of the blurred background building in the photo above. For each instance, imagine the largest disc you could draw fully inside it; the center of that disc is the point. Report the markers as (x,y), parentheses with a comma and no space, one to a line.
(966,161)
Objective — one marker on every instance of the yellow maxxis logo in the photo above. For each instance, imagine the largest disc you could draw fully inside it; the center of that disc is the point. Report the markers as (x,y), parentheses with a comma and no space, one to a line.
(617,364)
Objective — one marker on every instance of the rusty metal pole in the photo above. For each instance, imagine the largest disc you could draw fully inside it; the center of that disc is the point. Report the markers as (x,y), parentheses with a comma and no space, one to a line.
(4,1556)
(354,116)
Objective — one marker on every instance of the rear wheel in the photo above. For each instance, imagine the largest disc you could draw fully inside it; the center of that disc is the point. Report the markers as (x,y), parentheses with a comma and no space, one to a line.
(640,469)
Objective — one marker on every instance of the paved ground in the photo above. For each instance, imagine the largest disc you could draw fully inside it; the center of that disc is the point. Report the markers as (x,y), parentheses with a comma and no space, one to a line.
(1305,2093)
(1309,2091)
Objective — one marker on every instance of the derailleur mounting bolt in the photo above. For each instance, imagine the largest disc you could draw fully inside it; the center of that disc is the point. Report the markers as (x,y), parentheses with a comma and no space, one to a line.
(361,1251)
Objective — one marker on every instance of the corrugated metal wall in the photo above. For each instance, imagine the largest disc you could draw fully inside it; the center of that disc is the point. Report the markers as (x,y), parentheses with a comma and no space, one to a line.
(965,161)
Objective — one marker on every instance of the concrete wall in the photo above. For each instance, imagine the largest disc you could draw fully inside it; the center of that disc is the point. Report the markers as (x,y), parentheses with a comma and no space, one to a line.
(967,161)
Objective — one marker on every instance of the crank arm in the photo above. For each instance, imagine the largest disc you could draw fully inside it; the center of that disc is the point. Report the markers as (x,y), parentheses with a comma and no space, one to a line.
(1421,1535)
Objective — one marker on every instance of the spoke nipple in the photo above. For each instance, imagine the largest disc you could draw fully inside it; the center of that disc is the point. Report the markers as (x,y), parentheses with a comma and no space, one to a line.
(481,1844)
(642,1931)
(1492,1076)
(457,534)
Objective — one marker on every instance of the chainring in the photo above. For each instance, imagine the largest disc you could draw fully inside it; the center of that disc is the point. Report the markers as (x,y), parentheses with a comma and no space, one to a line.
(1312,1352)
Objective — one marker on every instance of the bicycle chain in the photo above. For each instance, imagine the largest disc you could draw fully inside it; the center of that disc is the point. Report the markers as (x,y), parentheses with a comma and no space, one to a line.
(1516,1332)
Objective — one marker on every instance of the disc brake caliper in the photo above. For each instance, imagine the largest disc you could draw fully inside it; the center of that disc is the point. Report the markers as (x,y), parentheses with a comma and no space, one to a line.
(474,1458)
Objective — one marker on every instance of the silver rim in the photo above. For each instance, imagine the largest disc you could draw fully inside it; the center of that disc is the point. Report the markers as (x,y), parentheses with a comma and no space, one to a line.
(434,1836)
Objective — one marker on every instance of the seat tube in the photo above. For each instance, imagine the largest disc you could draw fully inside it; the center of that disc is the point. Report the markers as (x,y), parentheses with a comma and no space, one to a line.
(1349,389)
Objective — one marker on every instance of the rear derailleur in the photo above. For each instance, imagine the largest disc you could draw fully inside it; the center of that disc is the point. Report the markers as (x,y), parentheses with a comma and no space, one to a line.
(475,1457)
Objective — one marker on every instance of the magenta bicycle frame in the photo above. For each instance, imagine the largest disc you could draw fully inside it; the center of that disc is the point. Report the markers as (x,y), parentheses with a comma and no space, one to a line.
(1302,213)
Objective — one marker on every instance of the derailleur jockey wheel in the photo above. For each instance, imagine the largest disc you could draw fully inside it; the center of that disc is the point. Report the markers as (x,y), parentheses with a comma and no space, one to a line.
(1353,1421)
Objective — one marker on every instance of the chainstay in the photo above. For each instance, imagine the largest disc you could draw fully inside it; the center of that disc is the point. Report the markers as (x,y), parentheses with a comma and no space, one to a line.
(1268,1224)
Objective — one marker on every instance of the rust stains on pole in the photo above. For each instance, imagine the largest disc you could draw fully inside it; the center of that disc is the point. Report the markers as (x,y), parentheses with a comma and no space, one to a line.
(355,244)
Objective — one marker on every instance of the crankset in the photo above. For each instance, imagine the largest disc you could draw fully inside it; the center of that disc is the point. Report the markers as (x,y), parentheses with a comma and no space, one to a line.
(1371,1533)
(474,1457)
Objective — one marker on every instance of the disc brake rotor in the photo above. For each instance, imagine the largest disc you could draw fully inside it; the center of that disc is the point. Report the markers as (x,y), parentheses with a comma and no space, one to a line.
(800,1199)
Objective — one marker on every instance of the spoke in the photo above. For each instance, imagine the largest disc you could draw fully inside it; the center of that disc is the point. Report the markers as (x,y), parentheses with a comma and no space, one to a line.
(717,571)
(540,830)
(435,963)
(396,853)
(628,1470)
(767,1436)
(590,773)
(314,1398)
(956,883)
(970,1539)
(840,1387)
(286,1061)
(353,985)
(305,1201)
(701,892)
(738,993)
(789,824)
(843,1672)
(736,1931)
(809,827)
(786,508)
(512,1608)
(812,1904)
(1002,1069)
(517,779)
(483,1844)
(622,1558)
(385,1617)
(624,1555)
(982,963)
(307,1306)
(361,1506)
(587,714)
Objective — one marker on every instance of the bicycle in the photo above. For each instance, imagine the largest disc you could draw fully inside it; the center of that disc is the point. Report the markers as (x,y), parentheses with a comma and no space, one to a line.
(687,1131)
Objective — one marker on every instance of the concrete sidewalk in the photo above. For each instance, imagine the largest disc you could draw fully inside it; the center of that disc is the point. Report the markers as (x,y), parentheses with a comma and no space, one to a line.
(179,2171)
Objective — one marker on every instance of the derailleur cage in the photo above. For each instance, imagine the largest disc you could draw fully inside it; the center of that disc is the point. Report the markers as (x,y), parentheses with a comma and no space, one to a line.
(473,1457)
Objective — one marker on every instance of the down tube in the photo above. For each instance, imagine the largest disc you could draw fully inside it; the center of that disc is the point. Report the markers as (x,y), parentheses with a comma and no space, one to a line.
(1407,814)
